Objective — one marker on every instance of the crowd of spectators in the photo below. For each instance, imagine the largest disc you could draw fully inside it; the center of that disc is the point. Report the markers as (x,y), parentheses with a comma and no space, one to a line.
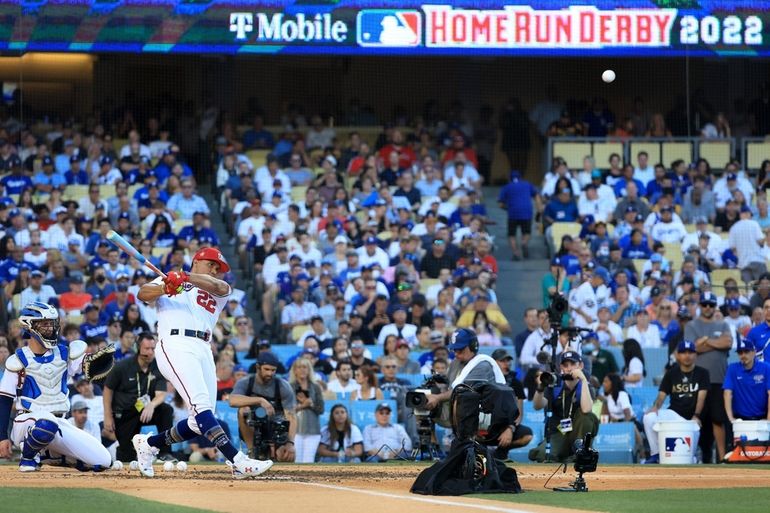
(383,243)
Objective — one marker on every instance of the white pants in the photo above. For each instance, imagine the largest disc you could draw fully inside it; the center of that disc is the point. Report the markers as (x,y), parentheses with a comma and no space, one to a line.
(69,446)
(305,448)
(661,416)
(187,363)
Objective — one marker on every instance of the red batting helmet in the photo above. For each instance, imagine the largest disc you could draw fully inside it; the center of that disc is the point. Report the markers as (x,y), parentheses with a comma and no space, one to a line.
(214,255)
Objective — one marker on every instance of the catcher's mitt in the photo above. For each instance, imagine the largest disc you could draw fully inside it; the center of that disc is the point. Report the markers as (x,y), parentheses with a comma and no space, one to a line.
(97,365)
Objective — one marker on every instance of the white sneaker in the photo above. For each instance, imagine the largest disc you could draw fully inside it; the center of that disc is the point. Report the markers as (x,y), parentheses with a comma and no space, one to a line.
(243,467)
(145,454)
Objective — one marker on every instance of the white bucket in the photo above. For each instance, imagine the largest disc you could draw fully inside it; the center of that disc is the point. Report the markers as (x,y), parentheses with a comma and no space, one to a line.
(752,430)
(677,441)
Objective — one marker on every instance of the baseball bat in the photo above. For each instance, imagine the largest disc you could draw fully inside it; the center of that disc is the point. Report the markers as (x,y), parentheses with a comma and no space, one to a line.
(131,251)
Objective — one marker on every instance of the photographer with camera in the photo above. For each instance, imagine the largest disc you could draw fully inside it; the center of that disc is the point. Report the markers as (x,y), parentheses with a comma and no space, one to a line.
(571,401)
(266,406)
(476,379)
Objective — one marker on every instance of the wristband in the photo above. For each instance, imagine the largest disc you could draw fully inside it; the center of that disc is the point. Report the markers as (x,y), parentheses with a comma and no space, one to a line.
(540,389)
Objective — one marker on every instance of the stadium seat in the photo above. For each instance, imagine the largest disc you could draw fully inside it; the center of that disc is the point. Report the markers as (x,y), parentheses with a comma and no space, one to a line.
(258,158)
(602,151)
(161,252)
(426,283)
(362,412)
(297,331)
(655,360)
(642,399)
(298,192)
(559,230)
(652,149)
(718,277)
(229,415)
(756,152)
(615,442)
(181,223)
(674,255)
(672,151)
(75,192)
(639,266)
(718,152)
(572,152)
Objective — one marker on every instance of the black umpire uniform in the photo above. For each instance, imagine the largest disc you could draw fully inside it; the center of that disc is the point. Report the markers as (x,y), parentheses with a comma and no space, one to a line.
(128,383)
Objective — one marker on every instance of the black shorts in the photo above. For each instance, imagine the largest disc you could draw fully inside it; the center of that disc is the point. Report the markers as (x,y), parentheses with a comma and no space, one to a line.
(522,431)
(715,404)
(524,224)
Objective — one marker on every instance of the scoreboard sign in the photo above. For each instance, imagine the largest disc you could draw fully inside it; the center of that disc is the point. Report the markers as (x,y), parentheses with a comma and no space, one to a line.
(350,27)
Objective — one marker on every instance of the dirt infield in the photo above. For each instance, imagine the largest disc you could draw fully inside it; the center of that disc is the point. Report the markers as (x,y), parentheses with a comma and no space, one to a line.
(367,488)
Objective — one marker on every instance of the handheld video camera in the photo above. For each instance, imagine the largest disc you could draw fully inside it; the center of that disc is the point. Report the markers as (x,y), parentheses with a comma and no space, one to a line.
(267,431)
(417,399)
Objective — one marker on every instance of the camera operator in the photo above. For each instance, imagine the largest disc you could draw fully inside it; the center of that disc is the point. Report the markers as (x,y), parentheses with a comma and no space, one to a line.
(265,401)
(571,402)
(477,379)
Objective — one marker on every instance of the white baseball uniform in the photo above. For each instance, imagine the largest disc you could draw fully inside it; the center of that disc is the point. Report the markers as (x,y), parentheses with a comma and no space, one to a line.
(184,360)
(43,395)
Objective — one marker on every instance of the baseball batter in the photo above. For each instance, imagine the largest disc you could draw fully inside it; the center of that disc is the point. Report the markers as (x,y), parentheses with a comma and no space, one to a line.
(36,379)
(188,307)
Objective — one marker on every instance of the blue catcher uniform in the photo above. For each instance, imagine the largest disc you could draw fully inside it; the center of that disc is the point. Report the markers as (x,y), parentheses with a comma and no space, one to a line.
(38,385)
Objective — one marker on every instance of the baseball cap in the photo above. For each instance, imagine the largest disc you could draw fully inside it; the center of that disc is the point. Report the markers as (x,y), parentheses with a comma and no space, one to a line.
(602,273)
(701,220)
(744,344)
(106,159)
(684,313)
(76,278)
(589,219)
(383,406)
(656,257)
(268,358)
(501,354)
(631,208)
(122,287)
(79,406)
(371,240)
(572,356)
(74,158)
(638,218)
(89,308)
(436,337)
(686,346)
(708,298)
(732,176)
(59,210)
(402,343)
(239,368)
(47,161)
(37,273)
(745,208)
(655,291)
(556,261)
(596,173)
(357,344)
(733,304)
(340,239)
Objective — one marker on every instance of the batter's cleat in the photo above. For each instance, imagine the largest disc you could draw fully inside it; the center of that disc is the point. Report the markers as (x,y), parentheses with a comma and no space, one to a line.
(244,467)
(26,465)
(145,454)
(652,460)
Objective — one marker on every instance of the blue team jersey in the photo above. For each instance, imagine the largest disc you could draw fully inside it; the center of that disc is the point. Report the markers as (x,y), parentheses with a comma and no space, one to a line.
(16,184)
(749,389)
(79,178)
(759,336)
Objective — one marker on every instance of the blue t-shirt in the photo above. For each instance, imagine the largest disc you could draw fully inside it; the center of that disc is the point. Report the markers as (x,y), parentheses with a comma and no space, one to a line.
(16,184)
(749,387)
(79,178)
(620,187)
(88,330)
(517,197)
(54,179)
(562,212)
(759,335)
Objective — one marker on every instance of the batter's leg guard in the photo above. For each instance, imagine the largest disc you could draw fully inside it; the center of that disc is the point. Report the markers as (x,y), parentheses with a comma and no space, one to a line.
(211,429)
(39,436)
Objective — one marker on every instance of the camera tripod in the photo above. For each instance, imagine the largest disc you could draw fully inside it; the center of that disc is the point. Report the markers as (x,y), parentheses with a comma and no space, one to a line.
(428,450)
(578,485)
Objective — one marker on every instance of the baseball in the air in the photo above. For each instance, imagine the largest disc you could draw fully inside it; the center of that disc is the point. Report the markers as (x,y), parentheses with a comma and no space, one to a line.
(168,466)
(134,465)
(181,466)
(117,465)
(608,76)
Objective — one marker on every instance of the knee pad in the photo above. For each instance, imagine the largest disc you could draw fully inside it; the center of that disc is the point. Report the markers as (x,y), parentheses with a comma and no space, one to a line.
(41,434)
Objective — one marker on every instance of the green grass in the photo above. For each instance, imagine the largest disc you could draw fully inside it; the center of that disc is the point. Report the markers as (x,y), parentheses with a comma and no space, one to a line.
(751,500)
(83,500)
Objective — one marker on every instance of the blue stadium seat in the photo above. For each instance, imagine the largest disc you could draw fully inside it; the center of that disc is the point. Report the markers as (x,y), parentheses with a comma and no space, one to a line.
(642,399)
(151,428)
(655,360)
(362,412)
(615,442)
(229,415)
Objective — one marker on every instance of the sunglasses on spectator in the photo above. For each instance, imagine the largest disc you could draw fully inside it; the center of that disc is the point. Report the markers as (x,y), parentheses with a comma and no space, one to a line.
(388,366)
(708,305)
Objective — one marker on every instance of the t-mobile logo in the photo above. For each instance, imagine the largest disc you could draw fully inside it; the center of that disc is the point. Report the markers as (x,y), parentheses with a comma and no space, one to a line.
(241,23)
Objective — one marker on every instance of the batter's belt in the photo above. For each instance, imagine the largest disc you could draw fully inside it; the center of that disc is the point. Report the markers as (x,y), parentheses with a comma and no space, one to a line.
(203,335)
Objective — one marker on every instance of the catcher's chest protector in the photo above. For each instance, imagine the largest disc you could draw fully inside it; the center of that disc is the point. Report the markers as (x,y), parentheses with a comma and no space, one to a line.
(44,386)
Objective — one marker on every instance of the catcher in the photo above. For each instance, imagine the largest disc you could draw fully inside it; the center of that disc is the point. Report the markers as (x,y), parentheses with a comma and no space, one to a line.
(36,379)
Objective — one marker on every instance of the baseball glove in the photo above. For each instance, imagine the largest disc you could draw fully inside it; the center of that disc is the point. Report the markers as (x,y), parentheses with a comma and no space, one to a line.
(97,365)
(174,282)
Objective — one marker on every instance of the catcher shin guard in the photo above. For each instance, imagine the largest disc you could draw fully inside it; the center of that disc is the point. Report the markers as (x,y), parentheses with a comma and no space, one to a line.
(210,428)
(465,413)
(40,435)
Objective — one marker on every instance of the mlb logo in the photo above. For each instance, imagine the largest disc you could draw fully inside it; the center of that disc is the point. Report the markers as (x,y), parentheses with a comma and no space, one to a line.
(389,28)
(679,444)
